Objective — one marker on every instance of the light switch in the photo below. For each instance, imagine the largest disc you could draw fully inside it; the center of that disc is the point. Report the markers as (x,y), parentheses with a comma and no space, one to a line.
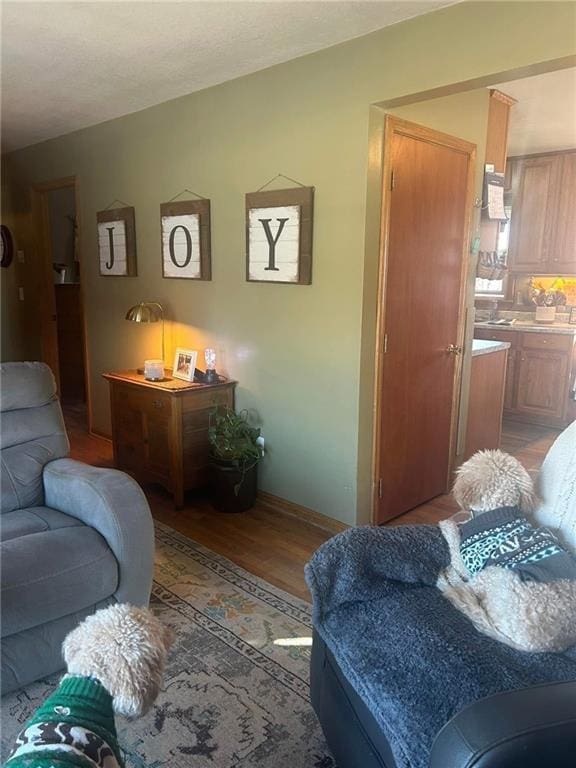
(21,293)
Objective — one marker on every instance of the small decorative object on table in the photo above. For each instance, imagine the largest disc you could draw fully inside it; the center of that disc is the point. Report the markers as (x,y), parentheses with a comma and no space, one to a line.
(184,364)
(572,318)
(154,370)
(210,377)
(234,453)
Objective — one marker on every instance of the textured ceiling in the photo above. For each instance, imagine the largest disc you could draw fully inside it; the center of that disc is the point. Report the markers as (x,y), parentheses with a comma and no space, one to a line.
(544,119)
(68,65)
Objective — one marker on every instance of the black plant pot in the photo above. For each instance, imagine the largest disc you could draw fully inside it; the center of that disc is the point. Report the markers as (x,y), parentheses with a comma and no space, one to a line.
(232,490)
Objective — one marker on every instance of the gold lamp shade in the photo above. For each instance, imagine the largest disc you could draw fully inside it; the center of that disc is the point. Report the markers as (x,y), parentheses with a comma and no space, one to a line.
(147,312)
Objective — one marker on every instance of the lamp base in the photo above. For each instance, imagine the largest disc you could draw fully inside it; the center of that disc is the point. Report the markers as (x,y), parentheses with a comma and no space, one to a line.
(142,372)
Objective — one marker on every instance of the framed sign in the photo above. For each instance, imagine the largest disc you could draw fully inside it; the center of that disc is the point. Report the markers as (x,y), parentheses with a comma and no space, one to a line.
(279,236)
(186,239)
(117,242)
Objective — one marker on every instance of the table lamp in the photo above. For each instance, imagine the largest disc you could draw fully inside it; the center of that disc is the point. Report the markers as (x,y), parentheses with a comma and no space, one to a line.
(149,312)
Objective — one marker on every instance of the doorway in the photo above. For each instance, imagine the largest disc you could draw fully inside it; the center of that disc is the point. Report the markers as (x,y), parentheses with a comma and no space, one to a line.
(62,313)
(427,206)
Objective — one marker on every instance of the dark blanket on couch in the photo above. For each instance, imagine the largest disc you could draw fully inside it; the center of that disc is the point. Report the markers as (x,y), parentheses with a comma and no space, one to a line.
(411,656)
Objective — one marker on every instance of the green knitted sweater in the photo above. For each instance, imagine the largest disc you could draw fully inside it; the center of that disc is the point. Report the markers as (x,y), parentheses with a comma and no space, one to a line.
(74,727)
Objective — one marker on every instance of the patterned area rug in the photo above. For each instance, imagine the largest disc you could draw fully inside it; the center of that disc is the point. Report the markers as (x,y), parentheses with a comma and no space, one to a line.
(236,689)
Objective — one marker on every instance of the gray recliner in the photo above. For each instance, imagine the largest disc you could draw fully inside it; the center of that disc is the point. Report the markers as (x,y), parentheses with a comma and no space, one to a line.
(74,538)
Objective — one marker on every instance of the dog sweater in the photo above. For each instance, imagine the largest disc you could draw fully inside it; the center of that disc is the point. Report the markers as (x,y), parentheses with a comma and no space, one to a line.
(505,537)
(74,728)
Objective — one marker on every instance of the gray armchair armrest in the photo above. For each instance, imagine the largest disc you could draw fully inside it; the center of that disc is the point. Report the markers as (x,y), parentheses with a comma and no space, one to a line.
(113,504)
(531,727)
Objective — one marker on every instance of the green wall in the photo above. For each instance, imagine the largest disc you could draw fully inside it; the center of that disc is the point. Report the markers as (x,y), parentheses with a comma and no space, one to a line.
(296,351)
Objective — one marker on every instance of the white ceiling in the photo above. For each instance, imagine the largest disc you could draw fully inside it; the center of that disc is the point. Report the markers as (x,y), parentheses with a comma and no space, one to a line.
(544,119)
(68,65)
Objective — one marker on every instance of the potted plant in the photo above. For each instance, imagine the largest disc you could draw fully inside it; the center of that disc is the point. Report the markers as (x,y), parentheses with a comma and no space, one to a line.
(234,455)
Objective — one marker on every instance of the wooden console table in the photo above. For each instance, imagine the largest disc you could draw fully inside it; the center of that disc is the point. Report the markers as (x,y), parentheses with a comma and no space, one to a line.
(160,429)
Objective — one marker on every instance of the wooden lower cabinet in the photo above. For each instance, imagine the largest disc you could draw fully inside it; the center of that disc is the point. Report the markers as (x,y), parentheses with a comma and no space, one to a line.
(542,384)
(538,375)
(160,430)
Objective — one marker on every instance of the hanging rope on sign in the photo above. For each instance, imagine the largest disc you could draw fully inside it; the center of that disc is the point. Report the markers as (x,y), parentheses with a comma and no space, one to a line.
(201,197)
(278,176)
(124,205)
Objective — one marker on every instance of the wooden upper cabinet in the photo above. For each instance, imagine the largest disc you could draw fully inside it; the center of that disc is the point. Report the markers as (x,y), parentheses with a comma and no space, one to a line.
(563,253)
(543,219)
(535,183)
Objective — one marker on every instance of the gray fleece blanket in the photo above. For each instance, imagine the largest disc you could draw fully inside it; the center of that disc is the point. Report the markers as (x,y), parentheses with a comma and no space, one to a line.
(411,656)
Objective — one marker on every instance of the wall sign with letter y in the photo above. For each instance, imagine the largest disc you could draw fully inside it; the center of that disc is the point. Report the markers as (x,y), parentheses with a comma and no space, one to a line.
(279,236)
(186,239)
(117,242)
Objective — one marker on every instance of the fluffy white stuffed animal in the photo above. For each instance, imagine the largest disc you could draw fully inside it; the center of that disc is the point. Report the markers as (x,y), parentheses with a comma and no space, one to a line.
(513,580)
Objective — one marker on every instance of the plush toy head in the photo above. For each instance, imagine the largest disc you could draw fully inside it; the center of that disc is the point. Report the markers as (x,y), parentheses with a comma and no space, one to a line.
(125,649)
(493,479)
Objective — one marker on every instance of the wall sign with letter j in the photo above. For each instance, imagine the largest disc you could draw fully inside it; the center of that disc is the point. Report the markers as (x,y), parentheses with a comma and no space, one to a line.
(117,242)
(186,239)
(279,236)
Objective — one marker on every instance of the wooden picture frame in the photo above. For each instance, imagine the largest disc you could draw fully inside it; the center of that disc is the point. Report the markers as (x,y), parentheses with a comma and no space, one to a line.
(185,240)
(282,254)
(117,242)
(184,364)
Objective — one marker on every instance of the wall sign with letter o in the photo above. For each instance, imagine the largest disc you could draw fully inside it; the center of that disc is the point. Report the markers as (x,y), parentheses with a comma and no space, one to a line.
(186,239)
(117,242)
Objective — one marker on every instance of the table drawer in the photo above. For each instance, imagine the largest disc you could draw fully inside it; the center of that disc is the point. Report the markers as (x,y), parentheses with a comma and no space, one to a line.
(198,401)
(553,341)
(509,336)
(151,402)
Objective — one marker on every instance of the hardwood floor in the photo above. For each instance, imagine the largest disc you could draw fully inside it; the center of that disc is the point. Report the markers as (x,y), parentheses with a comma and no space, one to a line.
(270,544)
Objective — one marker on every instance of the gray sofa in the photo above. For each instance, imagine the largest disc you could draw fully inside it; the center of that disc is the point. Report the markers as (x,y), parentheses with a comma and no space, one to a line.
(74,538)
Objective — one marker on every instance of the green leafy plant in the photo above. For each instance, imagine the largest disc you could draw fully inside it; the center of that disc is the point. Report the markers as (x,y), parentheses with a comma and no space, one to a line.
(233,441)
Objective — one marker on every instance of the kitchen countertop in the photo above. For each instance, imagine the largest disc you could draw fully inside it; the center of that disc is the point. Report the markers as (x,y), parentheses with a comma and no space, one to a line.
(485,347)
(530,327)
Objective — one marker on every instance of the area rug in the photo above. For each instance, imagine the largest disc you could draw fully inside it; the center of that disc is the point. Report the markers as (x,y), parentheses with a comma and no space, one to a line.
(236,690)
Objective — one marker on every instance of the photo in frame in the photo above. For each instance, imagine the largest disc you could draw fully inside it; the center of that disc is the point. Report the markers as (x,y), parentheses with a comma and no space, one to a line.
(185,227)
(572,316)
(184,364)
(117,242)
(279,236)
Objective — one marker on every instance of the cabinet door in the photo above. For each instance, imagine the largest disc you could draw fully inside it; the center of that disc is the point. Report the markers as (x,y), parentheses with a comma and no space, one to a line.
(542,383)
(510,385)
(562,257)
(533,214)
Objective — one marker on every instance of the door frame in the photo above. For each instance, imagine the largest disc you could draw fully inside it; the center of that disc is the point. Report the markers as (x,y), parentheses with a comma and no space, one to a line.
(47,305)
(395,125)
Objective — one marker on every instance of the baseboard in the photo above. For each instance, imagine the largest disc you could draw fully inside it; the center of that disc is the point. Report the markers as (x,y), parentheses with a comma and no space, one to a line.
(100,435)
(277,504)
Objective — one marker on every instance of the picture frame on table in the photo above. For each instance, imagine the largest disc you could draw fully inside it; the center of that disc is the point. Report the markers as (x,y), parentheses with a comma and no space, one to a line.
(184,364)
(572,317)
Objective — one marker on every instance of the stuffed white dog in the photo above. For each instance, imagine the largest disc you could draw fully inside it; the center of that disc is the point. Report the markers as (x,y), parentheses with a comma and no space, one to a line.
(115,660)
(513,580)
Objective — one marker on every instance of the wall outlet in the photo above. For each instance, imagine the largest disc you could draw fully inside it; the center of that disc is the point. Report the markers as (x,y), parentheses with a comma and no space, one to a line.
(20,257)
(21,293)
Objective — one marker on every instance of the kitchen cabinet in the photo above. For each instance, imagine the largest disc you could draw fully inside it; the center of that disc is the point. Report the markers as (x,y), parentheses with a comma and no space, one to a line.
(543,218)
(564,249)
(538,375)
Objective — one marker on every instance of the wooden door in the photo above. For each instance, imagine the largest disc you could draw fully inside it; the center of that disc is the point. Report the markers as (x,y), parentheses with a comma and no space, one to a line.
(563,254)
(533,213)
(426,221)
(543,383)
